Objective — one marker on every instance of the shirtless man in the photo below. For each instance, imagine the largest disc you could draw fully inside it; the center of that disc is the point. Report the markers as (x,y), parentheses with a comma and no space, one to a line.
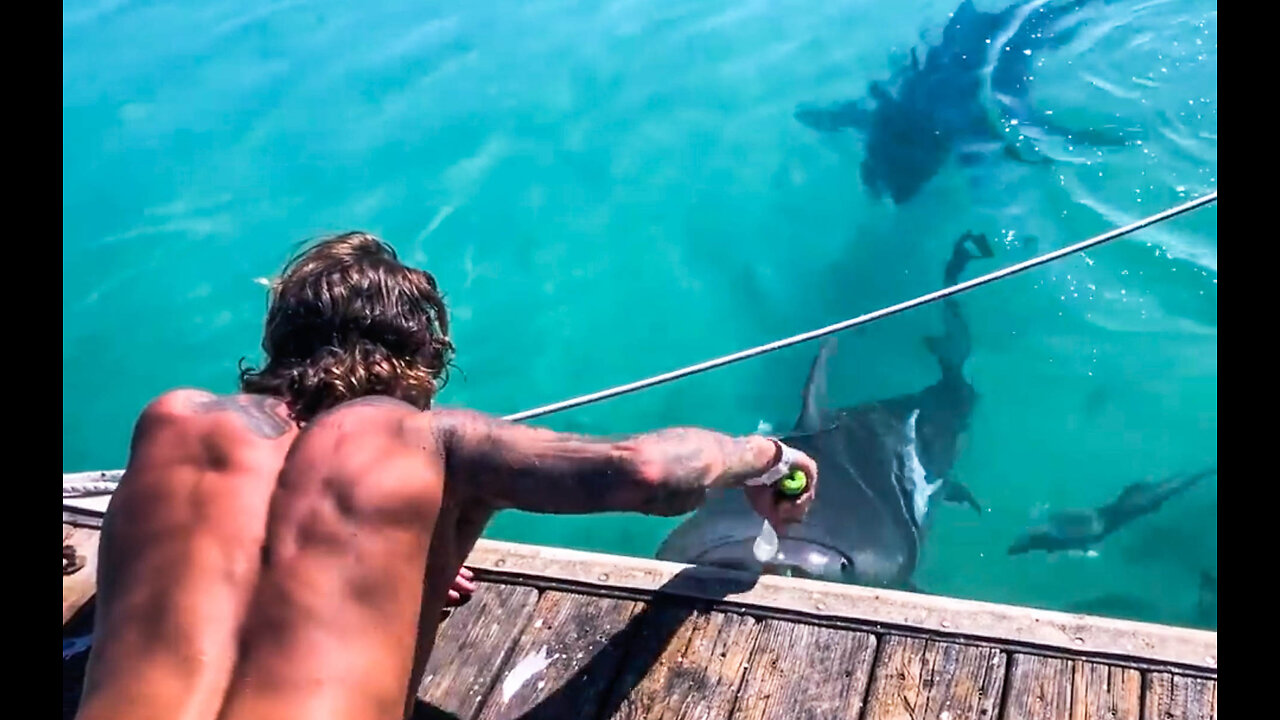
(287,552)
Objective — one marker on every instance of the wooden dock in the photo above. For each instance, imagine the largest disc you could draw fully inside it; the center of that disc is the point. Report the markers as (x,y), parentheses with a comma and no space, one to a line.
(554,634)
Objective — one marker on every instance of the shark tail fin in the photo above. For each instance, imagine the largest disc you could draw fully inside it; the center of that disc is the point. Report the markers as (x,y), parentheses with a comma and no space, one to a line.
(977,245)
(969,246)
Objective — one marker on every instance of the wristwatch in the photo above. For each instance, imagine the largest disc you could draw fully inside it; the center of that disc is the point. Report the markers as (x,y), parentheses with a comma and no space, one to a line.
(786,458)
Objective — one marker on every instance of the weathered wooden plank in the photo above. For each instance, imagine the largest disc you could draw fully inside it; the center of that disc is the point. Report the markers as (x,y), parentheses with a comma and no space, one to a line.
(1176,697)
(1053,688)
(650,660)
(916,678)
(1105,691)
(820,600)
(685,663)
(564,662)
(807,672)
(471,645)
(1039,688)
(79,586)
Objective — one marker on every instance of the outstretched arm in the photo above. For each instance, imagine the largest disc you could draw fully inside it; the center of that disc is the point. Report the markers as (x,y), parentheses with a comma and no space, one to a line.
(667,472)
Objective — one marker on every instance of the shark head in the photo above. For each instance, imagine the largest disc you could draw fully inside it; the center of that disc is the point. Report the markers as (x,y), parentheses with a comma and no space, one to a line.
(868,518)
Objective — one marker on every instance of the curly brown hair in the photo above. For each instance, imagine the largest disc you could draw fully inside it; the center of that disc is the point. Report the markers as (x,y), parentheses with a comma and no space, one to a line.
(348,320)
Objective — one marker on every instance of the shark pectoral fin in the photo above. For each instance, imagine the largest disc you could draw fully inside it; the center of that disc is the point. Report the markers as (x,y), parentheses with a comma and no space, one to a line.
(958,493)
(1109,135)
(852,114)
(931,488)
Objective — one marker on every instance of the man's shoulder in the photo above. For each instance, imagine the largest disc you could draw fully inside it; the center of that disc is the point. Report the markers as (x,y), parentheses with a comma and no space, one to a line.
(376,415)
(197,410)
(421,428)
(449,422)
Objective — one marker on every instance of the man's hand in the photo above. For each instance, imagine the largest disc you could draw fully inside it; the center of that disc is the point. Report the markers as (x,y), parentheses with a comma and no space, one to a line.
(782,511)
(460,591)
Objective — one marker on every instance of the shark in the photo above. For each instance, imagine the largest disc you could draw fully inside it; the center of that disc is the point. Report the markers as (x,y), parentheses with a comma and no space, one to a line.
(1081,529)
(970,98)
(882,465)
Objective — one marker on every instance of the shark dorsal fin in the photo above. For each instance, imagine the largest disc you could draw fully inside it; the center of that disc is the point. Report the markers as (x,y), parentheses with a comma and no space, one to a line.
(813,416)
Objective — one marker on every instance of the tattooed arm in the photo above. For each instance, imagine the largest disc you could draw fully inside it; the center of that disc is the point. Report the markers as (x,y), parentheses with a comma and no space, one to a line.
(667,472)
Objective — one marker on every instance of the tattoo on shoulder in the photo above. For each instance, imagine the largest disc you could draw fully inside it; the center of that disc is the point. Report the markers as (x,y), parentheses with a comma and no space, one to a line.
(259,413)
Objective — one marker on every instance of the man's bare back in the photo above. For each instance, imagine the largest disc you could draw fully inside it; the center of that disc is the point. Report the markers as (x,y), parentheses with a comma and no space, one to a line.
(180,554)
(252,570)
(287,551)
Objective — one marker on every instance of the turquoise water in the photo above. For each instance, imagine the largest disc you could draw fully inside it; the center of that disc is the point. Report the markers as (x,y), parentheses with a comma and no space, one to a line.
(607,190)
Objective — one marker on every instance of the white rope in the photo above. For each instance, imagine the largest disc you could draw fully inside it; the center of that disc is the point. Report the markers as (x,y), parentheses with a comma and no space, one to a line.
(863,319)
(96,482)
(83,489)
(107,479)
